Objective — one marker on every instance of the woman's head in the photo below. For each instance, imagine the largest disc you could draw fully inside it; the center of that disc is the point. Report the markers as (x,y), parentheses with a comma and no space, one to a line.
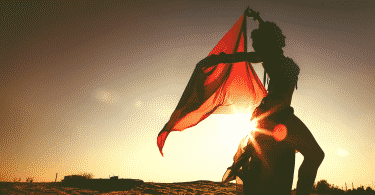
(268,37)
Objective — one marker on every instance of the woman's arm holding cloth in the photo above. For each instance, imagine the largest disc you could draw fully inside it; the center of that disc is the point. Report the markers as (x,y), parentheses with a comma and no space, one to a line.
(213,59)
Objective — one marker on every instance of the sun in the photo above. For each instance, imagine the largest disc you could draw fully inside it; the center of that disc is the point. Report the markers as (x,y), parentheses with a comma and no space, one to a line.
(234,128)
(250,129)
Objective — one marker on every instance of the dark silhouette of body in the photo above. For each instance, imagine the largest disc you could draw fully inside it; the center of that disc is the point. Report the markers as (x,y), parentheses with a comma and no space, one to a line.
(270,172)
(273,169)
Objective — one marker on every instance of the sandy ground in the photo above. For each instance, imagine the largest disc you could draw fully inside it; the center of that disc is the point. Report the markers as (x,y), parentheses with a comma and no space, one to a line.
(197,187)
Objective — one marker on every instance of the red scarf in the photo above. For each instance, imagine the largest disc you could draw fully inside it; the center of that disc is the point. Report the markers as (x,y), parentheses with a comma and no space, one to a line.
(219,85)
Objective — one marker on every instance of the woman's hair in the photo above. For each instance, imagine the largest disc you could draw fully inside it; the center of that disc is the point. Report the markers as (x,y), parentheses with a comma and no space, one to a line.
(269,34)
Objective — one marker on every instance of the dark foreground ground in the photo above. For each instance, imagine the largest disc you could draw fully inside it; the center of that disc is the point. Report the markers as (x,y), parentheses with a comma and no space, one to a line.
(196,187)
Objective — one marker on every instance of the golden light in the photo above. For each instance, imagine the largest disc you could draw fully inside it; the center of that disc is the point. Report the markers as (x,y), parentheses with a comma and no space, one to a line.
(250,135)
(238,131)
(138,104)
(247,129)
(234,124)
(278,132)
(251,129)
(233,128)
(105,96)
(342,152)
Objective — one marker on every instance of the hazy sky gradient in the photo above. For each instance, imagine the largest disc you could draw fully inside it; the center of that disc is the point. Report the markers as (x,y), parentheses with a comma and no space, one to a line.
(87,86)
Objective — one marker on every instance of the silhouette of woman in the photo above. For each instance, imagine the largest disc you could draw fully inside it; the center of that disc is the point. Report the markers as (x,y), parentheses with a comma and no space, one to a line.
(268,42)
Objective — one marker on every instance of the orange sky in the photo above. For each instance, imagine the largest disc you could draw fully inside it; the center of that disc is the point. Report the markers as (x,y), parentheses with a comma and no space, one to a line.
(87,86)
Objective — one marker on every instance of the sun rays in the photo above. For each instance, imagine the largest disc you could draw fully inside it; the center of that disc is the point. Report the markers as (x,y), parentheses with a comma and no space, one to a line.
(256,126)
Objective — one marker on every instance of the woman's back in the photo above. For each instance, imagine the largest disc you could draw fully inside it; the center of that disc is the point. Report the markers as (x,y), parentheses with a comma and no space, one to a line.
(283,73)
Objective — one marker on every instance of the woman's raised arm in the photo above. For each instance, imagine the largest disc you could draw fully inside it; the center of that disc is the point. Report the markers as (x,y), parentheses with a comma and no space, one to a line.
(213,59)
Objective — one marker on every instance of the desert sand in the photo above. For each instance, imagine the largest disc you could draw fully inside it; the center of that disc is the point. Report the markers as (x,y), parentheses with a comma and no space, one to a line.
(195,187)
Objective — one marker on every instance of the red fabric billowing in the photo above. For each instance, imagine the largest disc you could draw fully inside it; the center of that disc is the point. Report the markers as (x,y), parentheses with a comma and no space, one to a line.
(219,85)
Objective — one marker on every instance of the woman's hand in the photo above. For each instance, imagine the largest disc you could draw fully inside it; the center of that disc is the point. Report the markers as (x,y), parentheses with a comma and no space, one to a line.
(251,13)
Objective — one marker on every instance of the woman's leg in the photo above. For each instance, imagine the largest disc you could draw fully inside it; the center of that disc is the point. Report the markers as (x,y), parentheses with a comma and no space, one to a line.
(300,138)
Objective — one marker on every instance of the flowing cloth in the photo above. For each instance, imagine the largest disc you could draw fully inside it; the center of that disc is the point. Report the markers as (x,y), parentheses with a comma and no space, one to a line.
(215,86)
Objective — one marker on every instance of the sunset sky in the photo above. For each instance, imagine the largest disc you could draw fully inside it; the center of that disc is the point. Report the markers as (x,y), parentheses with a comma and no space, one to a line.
(87,86)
